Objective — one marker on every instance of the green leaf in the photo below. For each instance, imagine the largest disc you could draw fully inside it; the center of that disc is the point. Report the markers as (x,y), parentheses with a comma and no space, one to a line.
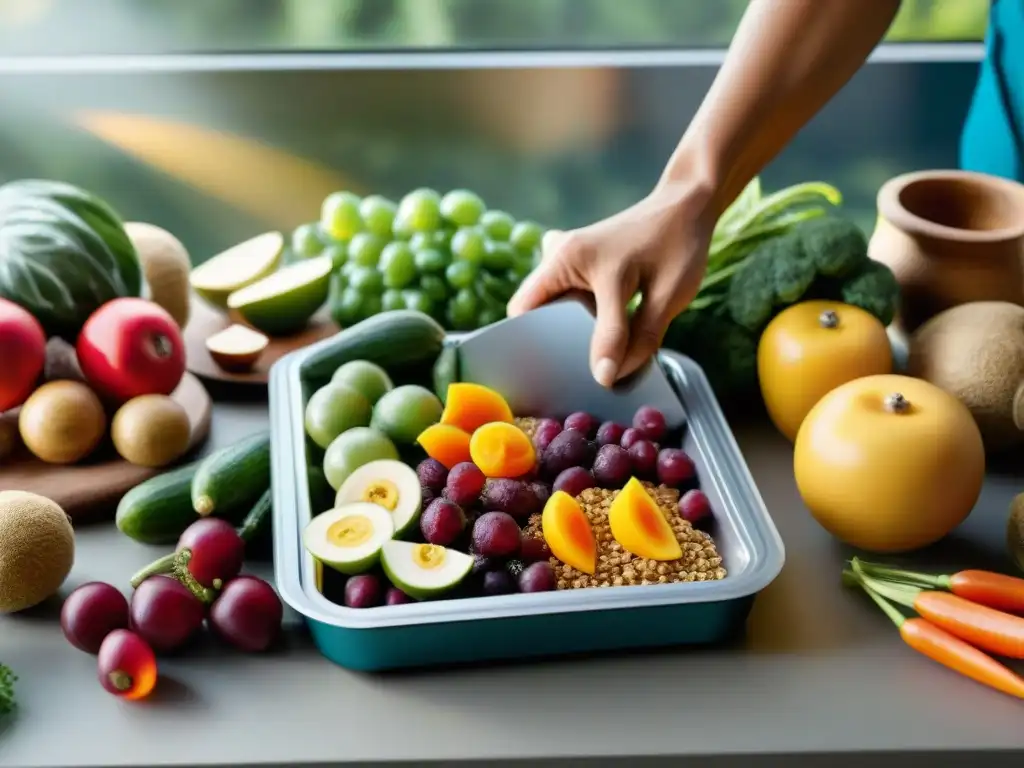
(740,207)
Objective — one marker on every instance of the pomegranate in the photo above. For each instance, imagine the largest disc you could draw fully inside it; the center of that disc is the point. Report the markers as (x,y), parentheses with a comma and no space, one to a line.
(131,347)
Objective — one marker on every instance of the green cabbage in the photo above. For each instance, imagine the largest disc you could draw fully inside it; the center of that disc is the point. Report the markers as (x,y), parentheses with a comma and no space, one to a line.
(63,253)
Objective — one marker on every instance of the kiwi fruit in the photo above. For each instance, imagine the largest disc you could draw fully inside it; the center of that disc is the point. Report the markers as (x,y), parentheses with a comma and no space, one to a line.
(62,422)
(975,352)
(166,265)
(151,431)
(37,549)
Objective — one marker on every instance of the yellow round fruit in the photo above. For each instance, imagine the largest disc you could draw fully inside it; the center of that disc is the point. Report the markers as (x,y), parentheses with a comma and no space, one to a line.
(889,463)
(811,348)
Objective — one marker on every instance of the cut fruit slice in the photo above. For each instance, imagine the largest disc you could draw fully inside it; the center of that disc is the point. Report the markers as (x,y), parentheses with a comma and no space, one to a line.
(236,348)
(282,303)
(389,484)
(568,532)
(470,406)
(446,444)
(639,525)
(423,571)
(349,538)
(238,266)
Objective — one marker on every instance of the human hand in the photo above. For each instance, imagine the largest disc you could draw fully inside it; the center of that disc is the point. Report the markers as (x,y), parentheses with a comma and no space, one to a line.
(658,246)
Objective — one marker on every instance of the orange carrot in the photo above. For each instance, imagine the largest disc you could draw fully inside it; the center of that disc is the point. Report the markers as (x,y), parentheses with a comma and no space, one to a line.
(991,630)
(946,649)
(996,590)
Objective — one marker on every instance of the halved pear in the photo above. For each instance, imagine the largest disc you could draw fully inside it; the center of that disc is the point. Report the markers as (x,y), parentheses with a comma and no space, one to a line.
(236,348)
(349,538)
(423,571)
(238,266)
(389,484)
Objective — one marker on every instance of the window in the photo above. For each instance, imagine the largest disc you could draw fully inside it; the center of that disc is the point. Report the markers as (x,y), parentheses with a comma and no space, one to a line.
(160,26)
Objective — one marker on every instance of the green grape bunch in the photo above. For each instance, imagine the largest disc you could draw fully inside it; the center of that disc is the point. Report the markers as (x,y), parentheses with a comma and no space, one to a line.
(448,255)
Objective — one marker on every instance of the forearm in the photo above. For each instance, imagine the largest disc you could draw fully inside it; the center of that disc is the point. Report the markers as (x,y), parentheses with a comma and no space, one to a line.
(787,59)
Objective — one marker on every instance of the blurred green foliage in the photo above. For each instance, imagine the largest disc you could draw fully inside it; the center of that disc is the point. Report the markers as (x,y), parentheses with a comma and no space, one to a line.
(115,26)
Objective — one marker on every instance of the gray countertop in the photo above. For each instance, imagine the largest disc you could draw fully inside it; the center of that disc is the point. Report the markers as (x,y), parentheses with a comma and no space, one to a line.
(820,670)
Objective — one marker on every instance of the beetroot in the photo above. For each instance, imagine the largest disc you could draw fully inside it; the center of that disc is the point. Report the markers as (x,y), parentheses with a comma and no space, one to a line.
(247,614)
(165,614)
(217,551)
(92,612)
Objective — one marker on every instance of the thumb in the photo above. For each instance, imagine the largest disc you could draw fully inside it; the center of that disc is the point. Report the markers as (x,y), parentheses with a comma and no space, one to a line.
(544,283)
(611,333)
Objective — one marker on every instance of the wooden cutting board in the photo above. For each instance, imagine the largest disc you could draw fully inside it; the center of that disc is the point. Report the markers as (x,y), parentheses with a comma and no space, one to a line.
(204,321)
(93,488)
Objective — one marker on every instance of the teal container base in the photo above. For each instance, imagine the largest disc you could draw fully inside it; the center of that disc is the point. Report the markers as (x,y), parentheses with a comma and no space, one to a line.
(523,637)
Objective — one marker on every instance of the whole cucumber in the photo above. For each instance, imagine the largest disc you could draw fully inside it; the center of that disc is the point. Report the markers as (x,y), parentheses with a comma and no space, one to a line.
(446,371)
(159,510)
(230,481)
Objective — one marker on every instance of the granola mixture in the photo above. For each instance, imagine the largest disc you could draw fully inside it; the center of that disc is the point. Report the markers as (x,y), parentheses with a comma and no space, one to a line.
(618,568)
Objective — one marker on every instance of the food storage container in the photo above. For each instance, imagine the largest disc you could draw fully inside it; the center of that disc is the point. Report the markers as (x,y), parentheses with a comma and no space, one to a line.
(541,368)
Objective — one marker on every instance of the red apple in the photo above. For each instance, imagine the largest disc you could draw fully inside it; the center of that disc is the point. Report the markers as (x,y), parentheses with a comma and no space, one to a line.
(130,347)
(22,354)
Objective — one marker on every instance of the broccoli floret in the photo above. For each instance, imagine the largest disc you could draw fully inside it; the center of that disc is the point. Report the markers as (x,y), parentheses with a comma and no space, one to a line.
(837,246)
(874,289)
(794,270)
(751,295)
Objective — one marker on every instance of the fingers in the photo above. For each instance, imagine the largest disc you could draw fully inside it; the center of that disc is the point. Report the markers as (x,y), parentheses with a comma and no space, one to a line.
(542,284)
(612,291)
(647,329)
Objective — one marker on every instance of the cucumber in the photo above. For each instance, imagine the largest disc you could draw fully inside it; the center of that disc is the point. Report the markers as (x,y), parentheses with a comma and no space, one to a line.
(159,510)
(257,522)
(392,339)
(446,370)
(231,481)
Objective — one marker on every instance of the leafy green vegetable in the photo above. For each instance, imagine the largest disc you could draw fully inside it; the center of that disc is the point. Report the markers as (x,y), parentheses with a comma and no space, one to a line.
(7,680)
(63,253)
(768,253)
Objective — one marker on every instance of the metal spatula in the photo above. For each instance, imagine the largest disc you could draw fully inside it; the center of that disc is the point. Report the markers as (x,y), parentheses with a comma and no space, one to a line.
(539,361)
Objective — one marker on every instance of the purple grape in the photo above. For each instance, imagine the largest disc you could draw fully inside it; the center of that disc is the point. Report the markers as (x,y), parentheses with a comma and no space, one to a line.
(542,491)
(363,591)
(513,497)
(675,468)
(432,473)
(427,496)
(573,481)
(533,549)
(498,583)
(442,522)
(537,577)
(482,565)
(610,433)
(695,506)
(395,596)
(465,481)
(496,534)
(612,467)
(650,422)
(644,456)
(545,431)
(569,449)
(583,423)
(630,438)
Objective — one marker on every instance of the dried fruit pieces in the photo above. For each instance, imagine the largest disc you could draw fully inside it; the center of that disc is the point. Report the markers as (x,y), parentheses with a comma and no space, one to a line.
(568,533)
(640,526)
(470,406)
(501,449)
(446,444)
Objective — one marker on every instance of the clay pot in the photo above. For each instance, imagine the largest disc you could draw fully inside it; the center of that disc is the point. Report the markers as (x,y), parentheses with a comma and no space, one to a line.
(950,237)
